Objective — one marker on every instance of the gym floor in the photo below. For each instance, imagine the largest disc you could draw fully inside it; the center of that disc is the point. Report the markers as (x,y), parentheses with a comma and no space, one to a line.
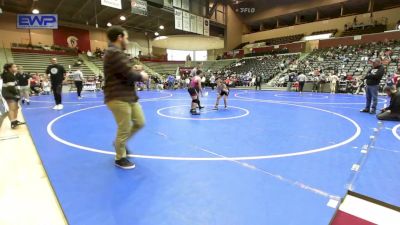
(270,158)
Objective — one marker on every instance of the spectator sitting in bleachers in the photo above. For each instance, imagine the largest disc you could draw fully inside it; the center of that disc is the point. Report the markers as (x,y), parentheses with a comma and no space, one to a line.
(35,85)
(89,54)
(46,86)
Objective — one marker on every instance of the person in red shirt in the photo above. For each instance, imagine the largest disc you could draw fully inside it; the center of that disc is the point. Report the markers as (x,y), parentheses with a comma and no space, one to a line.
(396,79)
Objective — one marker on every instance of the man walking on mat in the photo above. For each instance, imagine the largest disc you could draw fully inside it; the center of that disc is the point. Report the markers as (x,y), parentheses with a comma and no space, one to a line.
(373,78)
(57,75)
(120,93)
(78,80)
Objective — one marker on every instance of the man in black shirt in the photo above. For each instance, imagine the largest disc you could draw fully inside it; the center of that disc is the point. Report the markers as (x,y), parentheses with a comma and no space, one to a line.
(57,74)
(373,78)
(392,112)
(23,81)
(258,82)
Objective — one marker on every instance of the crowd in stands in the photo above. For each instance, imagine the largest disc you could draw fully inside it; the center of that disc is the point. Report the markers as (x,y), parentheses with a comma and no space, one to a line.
(359,28)
(43,47)
(348,63)
(282,40)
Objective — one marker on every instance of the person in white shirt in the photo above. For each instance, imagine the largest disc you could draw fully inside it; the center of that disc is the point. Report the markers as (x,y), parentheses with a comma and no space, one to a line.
(333,79)
(178,80)
(78,80)
(46,86)
(203,82)
(302,80)
(212,81)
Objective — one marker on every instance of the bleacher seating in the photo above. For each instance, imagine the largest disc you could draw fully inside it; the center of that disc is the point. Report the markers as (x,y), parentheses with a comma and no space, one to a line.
(240,46)
(351,59)
(282,40)
(333,31)
(98,62)
(165,67)
(268,65)
(37,63)
(364,30)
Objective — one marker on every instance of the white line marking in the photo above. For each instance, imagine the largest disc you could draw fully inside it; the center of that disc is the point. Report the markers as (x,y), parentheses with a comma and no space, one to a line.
(349,140)
(276,176)
(9,137)
(299,96)
(246,113)
(355,167)
(237,95)
(90,102)
(333,203)
(394,131)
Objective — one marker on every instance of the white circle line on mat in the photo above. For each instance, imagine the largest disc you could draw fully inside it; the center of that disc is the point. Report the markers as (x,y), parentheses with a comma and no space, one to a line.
(89,102)
(316,103)
(159,112)
(306,152)
(394,131)
(294,96)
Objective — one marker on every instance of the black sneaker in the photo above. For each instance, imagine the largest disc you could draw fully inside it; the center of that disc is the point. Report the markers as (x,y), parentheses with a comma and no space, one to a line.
(201,107)
(364,110)
(194,112)
(14,124)
(124,163)
(28,102)
(23,101)
(19,123)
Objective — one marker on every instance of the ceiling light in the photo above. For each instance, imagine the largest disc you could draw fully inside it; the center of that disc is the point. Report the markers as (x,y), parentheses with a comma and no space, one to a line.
(123,18)
(160,38)
(35,11)
(156,33)
(109,24)
(161,27)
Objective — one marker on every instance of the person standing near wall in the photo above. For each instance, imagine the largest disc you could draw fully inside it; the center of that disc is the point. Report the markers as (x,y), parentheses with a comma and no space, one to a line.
(23,81)
(120,94)
(373,78)
(290,82)
(258,82)
(302,80)
(333,78)
(212,81)
(78,80)
(57,75)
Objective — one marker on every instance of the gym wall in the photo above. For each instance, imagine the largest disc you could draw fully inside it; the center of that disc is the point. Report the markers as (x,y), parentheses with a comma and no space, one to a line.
(338,23)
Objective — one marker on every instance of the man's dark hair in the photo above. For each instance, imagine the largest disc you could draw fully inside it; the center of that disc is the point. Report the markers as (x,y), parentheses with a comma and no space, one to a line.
(198,72)
(7,66)
(114,32)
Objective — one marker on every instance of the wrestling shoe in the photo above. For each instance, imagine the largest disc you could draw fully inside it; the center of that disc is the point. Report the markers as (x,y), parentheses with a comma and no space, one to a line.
(124,163)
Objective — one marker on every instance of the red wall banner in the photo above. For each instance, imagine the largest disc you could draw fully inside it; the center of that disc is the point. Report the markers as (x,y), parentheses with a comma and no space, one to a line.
(72,37)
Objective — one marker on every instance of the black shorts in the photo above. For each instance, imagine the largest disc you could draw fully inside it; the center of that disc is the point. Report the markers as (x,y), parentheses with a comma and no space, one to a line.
(222,93)
(192,91)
